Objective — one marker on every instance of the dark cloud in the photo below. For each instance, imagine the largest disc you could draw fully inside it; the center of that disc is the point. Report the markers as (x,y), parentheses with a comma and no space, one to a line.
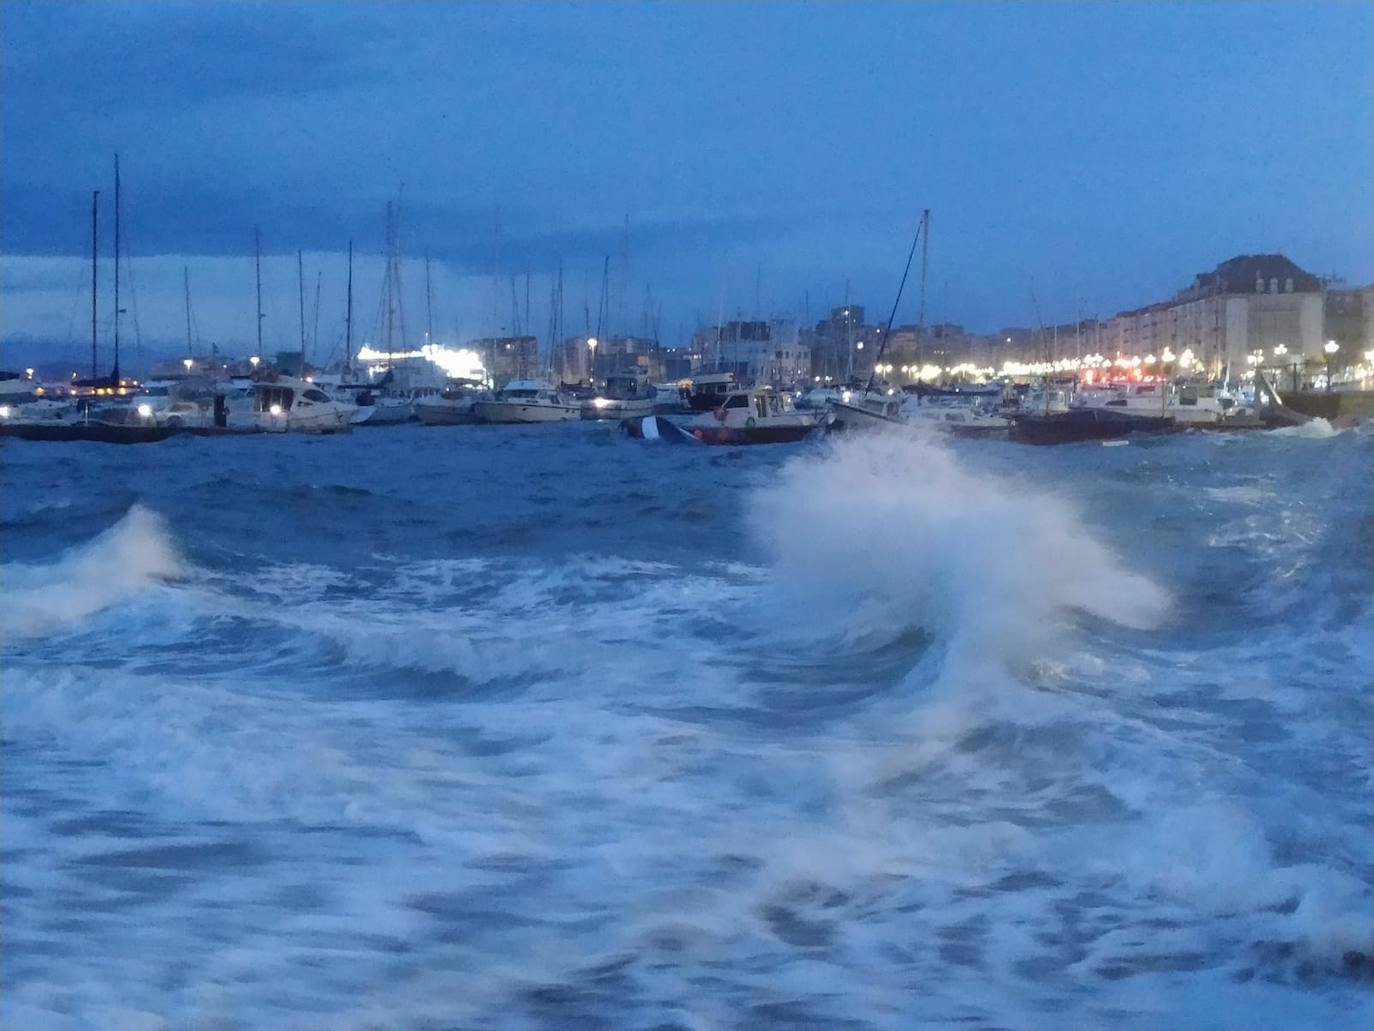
(78,59)
(55,222)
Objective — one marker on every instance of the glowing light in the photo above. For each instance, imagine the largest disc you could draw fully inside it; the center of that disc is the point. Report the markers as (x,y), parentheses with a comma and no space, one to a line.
(145,411)
(274,410)
(1332,347)
(28,373)
(1281,350)
(592,342)
(253,361)
(860,345)
(600,402)
(188,363)
(460,363)
(4,411)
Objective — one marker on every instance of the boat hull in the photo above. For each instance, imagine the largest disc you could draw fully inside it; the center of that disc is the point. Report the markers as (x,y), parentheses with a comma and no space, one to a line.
(658,427)
(381,414)
(101,432)
(446,414)
(1082,424)
(618,408)
(508,412)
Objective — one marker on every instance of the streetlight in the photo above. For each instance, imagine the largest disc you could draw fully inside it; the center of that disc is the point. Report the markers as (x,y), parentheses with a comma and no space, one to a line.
(1331,348)
(253,361)
(188,363)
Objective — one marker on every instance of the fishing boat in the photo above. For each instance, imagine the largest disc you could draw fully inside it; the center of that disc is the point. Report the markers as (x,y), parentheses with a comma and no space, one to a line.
(456,405)
(527,400)
(744,417)
(709,389)
(1080,424)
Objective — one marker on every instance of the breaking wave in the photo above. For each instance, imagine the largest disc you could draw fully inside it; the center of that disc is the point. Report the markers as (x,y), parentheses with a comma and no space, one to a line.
(887,533)
(129,557)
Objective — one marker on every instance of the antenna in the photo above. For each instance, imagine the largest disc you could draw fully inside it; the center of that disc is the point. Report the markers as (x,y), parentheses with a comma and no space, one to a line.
(429,304)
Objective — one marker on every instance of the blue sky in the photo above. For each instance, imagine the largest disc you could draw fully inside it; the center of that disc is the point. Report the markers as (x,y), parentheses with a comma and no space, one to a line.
(765,155)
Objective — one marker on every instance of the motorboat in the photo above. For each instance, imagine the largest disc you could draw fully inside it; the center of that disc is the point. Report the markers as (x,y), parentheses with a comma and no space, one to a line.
(454,406)
(373,409)
(743,417)
(868,410)
(527,400)
(285,404)
(965,415)
(624,396)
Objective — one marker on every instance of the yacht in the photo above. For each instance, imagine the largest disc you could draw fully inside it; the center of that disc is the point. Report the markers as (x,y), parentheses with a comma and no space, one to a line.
(709,389)
(965,416)
(625,396)
(527,400)
(454,406)
(287,404)
(866,410)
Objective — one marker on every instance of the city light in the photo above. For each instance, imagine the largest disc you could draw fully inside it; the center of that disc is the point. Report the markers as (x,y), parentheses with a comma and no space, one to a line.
(253,361)
(1332,347)
(188,363)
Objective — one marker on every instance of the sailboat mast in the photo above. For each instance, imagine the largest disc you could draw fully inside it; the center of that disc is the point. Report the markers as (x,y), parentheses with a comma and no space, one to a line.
(315,328)
(300,291)
(95,273)
(186,284)
(257,273)
(921,311)
(114,373)
(348,315)
(390,261)
(429,303)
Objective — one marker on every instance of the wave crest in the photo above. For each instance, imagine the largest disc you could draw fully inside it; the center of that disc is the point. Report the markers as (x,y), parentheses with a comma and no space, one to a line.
(42,599)
(887,532)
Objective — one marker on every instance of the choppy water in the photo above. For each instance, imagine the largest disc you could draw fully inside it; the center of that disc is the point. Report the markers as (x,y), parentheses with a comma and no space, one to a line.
(541,727)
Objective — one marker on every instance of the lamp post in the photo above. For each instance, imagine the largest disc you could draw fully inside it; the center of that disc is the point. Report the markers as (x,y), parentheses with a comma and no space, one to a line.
(1331,348)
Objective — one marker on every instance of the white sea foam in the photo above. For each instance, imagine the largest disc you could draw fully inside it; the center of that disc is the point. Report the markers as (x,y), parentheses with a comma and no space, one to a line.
(134,554)
(888,532)
(1313,429)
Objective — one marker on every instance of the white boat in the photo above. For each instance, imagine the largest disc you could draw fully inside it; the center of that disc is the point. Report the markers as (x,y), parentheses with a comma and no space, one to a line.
(527,400)
(854,410)
(625,396)
(1189,404)
(381,410)
(287,404)
(454,406)
(965,417)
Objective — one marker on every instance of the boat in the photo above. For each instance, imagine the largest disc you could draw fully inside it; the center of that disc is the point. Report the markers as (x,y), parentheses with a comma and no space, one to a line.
(285,404)
(527,400)
(92,430)
(454,406)
(1079,424)
(963,414)
(372,409)
(744,417)
(625,396)
(871,410)
(709,389)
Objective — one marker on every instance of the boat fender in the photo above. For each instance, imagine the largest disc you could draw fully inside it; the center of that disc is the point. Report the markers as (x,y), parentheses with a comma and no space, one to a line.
(699,435)
(750,422)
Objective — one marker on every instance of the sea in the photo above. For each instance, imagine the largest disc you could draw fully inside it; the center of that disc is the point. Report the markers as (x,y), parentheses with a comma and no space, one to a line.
(544,727)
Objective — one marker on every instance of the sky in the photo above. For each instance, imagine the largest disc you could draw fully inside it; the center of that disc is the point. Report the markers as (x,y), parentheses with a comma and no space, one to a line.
(730,159)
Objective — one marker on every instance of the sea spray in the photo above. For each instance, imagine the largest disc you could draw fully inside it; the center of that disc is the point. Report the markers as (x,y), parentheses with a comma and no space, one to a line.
(887,532)
(41,599)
